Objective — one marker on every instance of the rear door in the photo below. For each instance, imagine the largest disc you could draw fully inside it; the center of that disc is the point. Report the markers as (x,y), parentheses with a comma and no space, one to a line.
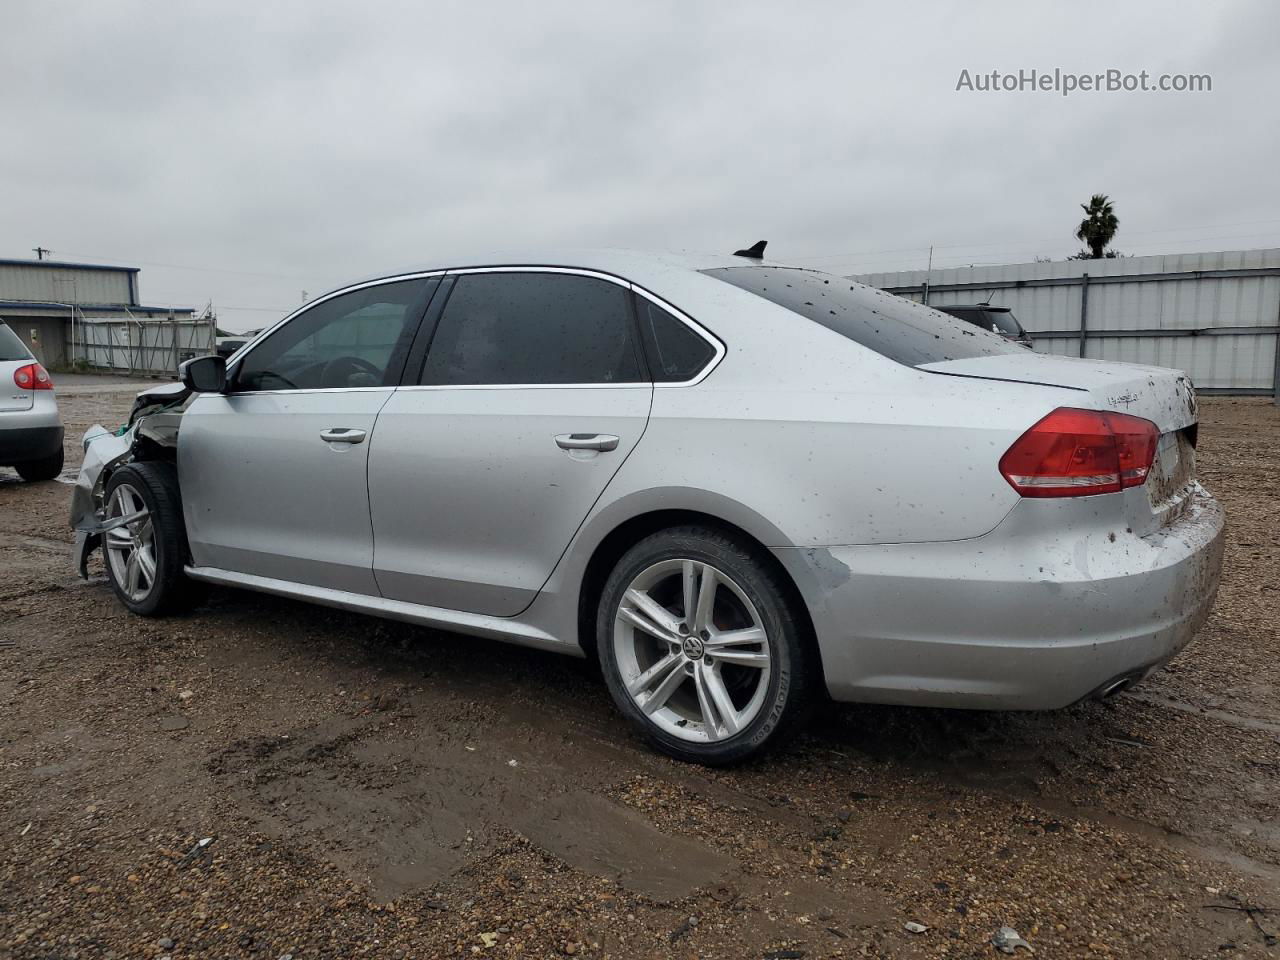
(274,472)
(482,467)
(13,355)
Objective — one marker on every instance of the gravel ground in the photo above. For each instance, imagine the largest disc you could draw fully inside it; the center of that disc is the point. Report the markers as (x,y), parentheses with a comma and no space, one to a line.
(372,789)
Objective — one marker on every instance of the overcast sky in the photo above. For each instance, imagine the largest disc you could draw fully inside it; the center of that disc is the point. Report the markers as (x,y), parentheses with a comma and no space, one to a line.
(250,152)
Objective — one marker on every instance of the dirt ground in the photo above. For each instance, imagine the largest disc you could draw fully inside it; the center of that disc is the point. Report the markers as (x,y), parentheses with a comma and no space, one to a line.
(373,789)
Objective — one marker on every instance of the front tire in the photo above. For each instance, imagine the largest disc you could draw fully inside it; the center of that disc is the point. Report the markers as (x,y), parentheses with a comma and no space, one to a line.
(44,469)
(701,647)
(145,556)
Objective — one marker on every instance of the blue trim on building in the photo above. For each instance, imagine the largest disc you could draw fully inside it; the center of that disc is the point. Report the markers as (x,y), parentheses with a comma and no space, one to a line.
(87,307)
(60,265)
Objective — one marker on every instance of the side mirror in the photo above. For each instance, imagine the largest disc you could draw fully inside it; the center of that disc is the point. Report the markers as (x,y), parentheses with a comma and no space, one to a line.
(204,374)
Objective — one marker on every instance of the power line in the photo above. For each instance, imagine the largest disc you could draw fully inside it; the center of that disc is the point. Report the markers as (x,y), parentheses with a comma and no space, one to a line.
(280,310)
(182,266)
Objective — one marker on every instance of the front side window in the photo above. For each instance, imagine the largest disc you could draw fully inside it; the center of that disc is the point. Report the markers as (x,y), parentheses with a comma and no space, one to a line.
(347,341)
(533,328)
(899,329)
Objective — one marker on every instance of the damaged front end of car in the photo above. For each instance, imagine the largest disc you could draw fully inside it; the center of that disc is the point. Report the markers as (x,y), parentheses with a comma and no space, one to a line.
(150,434)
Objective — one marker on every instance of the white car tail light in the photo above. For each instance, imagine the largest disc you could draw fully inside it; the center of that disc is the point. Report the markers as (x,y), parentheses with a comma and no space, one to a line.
(32,377)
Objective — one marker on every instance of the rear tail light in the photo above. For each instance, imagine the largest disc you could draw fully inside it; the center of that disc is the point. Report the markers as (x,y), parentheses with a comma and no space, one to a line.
(32,377)
(1076,453)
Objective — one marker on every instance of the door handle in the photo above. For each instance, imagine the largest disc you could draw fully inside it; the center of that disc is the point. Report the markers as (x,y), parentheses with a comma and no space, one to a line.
(586,441)
(343,435)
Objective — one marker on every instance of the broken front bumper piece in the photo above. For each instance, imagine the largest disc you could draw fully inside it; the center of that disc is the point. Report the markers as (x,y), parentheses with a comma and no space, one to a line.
(152,433)
(103,452)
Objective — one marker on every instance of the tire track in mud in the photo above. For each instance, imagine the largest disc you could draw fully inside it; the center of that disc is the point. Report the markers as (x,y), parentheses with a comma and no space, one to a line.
(1231,717)
(1011,768)
(406,803)
(1032,796)
(408,808)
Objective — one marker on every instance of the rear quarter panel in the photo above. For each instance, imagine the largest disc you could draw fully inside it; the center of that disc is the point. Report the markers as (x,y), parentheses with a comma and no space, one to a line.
(826,441)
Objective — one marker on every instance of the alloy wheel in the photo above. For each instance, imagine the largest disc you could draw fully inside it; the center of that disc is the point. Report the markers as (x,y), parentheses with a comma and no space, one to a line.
(692,650)
(131,543)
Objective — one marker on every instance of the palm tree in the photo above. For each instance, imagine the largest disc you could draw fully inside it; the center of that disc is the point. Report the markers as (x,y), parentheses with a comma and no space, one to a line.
(1099,225)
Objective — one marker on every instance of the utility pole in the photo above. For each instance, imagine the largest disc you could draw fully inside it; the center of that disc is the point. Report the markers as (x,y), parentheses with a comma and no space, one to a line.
(928,275)
(40,252)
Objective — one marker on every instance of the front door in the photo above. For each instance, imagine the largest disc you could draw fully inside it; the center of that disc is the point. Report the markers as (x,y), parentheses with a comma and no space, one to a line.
(531,397)
(274,472)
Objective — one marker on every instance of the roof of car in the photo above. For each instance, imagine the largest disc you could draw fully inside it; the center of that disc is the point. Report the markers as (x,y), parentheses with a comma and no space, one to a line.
(599,258)
(637,265)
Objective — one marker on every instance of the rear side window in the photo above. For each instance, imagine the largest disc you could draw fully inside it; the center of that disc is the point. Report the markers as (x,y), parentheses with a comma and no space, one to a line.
(534,328)
(899,329)
(675,352)
(11,348)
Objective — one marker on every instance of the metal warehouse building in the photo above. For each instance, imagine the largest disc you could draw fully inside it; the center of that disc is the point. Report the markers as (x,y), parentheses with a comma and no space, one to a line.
(69,311)
(1214,315)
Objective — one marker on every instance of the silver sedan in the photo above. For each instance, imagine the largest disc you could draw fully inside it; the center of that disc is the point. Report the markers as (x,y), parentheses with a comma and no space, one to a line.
(740,486)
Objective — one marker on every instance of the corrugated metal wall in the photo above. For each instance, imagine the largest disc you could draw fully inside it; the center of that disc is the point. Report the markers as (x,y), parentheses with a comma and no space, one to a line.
(1189,311)
(59,284)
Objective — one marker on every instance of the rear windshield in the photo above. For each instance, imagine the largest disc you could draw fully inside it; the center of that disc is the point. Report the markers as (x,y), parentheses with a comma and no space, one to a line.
(899,329)
(11,348)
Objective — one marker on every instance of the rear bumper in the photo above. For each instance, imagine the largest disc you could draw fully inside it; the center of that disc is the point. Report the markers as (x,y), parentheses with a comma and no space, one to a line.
(26,443)
(1023,618)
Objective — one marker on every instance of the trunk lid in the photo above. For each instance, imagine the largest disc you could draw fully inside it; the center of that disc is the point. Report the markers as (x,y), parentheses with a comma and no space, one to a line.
(12,396)
(1163,396)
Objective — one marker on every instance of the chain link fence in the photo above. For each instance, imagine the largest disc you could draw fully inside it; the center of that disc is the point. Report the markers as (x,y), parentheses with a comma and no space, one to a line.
(140,347)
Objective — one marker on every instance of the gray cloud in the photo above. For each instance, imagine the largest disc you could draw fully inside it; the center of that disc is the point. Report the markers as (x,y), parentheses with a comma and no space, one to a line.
(246,153)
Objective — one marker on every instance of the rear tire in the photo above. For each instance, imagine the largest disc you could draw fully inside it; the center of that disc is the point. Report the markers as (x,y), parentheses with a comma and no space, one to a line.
(145,558)
(709,671)
(43,469)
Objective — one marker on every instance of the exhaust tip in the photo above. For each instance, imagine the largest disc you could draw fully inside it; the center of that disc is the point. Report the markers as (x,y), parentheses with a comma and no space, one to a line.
(1114,687)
